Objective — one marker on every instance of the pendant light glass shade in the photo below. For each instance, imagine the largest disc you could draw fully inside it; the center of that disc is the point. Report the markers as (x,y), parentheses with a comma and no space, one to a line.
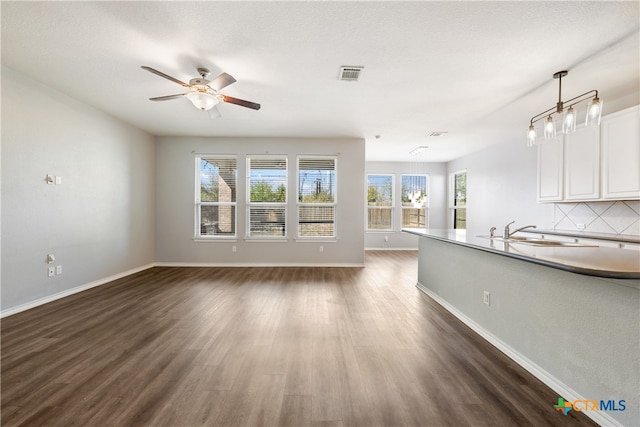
(549,128)
(594,112)
(569,120)
(531,136)
(202,101)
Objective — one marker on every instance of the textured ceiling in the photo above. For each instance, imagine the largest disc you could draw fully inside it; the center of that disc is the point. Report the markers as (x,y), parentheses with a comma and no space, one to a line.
(478,70)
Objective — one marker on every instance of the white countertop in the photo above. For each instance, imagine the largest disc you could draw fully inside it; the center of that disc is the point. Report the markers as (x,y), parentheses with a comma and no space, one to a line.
(593,261)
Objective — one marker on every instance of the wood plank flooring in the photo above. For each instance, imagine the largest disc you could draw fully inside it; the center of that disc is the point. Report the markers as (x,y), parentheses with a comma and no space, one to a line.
(262,347)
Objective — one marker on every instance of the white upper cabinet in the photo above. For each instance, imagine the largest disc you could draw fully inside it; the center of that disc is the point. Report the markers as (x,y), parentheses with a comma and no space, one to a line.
(621,155)
(582,164)
(593,163)
(550,171)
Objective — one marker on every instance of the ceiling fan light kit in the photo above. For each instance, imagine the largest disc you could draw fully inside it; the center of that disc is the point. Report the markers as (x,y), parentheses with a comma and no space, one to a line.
(204,94)
(565,119)
(202,100)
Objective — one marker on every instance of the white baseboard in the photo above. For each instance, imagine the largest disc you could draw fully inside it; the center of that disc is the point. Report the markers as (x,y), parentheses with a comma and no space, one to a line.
(552,382)
(40,301)
(250,264)
(391,249)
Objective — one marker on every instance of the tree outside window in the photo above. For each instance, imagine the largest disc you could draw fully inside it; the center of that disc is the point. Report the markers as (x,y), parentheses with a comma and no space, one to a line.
(216,200)
(379,202)
(459,200)
(414,201)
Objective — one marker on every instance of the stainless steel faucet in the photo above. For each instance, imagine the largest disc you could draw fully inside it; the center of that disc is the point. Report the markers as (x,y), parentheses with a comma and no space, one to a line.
(508,233)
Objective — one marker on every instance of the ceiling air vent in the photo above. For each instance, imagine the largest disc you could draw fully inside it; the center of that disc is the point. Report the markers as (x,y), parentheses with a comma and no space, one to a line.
(350,74)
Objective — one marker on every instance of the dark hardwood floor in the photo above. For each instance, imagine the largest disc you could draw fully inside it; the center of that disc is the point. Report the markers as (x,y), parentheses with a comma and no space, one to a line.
(262,346)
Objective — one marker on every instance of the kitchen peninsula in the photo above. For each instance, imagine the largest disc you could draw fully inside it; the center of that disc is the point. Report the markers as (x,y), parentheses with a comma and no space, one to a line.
(570,315)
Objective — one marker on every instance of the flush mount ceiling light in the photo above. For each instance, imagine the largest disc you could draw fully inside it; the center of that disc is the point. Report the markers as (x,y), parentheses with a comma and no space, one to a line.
(418,150)
(439,133)
(568,117)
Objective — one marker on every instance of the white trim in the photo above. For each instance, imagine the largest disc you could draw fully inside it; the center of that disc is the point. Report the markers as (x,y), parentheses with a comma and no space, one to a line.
(552,382)
(415,249)
(216,239)
(255,264)
(50,298)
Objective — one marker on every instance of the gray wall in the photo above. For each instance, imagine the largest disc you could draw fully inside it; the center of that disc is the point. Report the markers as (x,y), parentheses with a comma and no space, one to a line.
(99,221)
(502,180)
(437,208)
(175,191)
(501,187)
(581,330)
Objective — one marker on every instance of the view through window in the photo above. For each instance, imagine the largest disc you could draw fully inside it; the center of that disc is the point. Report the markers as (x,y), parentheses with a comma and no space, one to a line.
(379,202)
(216,200)
(267,196)
(414,201)
(316,197)
(460,200)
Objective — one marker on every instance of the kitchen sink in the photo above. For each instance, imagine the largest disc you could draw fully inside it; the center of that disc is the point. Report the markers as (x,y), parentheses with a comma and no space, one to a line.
(537,241)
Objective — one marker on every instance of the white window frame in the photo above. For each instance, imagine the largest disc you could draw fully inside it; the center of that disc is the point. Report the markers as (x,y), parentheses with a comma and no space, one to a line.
(452,198)
(425,205)
(277,205)
(334,204)
(199,203)
(391,208)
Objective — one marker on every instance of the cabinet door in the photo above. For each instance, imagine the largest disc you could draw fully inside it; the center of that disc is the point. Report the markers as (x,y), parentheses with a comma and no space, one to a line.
(621,155)
(550,179)
(582,164)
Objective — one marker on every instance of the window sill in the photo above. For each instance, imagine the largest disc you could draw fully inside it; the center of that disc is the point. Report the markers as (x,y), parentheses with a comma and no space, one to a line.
(263,240)
(316,240)
(215,239)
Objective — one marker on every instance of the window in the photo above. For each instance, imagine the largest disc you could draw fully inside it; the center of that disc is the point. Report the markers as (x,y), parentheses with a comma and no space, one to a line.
(459,199)
(216,196)
(267,196)
(316,197)
(379,202)
(414,201)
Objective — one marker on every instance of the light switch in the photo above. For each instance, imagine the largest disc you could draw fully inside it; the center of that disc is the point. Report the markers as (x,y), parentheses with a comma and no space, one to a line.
(58,180)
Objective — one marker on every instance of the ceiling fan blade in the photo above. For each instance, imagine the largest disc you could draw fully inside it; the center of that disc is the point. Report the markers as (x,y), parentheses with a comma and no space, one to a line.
(168,97)
(214,113)
(223,80)
(161,74)
(240,102)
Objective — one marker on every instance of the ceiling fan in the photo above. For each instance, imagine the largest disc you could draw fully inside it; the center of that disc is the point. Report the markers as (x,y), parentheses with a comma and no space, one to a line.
(203,93)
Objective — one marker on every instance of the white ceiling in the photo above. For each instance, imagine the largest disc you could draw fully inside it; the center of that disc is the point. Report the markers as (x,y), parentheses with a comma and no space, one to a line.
(479,70)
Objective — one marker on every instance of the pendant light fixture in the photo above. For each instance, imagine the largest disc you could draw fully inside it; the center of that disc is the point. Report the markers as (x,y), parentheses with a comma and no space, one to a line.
(565,119)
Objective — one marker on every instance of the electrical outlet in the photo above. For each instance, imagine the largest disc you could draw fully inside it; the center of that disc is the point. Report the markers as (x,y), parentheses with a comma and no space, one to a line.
(233,248)
(580,226)
(52,271)
(59,269)
(321,248)
(386,238)
(487,298)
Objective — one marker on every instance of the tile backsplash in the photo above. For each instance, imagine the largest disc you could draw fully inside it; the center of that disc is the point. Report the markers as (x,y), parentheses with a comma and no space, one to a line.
(599,217)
